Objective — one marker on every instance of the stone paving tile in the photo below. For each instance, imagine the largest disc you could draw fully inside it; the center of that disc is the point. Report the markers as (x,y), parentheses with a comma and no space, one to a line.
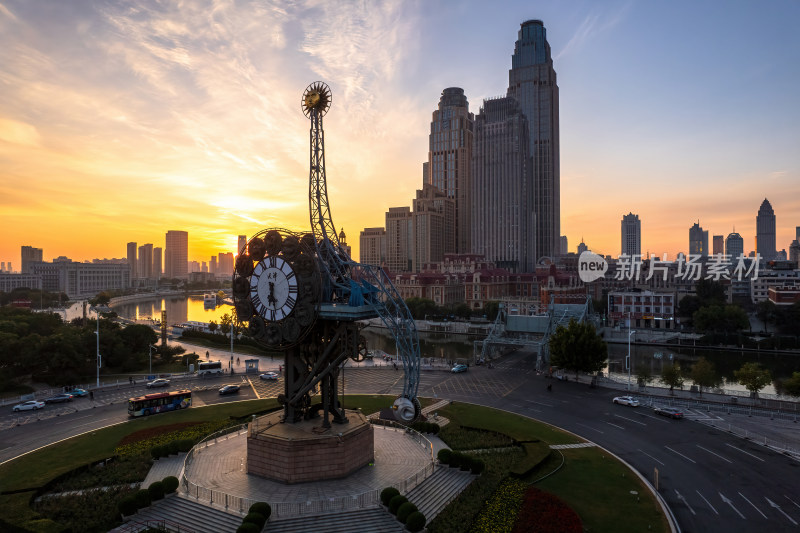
(166,466)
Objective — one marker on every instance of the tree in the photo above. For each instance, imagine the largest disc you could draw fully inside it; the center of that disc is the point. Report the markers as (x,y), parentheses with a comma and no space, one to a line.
(671,375)
(688,306)
(490,309)
(766,311)
(225,323)
(212,326)
(792,385)
(710,292)
(788,319)
(578,348)
(753,377)
(704,375)
(419,307)
(719,318)
(643,375)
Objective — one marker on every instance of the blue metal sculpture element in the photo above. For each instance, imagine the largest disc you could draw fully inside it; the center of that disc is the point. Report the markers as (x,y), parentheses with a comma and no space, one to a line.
(352,291)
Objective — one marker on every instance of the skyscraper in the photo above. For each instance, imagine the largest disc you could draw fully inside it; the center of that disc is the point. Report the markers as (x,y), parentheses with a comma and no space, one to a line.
(433,222)
(734,246)
(631,235)
(719,245)
(698,240)
(157,262)
(145,265)
(503,214)
(765,231)
(372,246)
(241,243)
(449,160)
(132,260)
(532,83)
(224,264)
(564,245)
(176,254)
(399,239)
(29,255)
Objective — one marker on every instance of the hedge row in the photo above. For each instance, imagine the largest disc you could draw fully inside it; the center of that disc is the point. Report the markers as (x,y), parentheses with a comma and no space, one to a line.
(256,518)
(405,511)
(144,497)
(426,427)
(171,448)
(460,460)
(535,454)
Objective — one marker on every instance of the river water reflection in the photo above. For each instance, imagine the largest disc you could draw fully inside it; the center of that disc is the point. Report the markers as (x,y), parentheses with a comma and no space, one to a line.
(179,309)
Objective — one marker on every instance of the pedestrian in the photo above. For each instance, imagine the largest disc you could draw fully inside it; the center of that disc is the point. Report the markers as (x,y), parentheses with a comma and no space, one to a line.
(91,395)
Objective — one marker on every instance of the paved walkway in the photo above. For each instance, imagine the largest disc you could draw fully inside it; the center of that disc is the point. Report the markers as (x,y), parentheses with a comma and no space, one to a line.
(166,466)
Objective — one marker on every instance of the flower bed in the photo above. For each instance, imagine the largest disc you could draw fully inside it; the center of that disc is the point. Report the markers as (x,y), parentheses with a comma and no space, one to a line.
(142,441)
(542,512)
(500,511)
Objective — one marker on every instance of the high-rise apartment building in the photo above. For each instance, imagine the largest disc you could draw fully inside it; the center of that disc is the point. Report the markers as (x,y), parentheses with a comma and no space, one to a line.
(564,248)
(30,255)
(582,247)
(698,240)
(399,239)
(225,264)
(145,265)
(734,246)
(212,265)
(242,242)
(372,246)
(433,225)
(532,83)
(765,231)
(449,160)
(176,254)
(719,245)
(157,263)
(631,235)
(503,212)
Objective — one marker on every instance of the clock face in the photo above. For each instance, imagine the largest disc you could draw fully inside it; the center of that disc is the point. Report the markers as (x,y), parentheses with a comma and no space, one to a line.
(273,288)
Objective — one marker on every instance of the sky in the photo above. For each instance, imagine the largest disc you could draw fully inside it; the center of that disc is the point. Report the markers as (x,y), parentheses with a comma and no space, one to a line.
(120,121)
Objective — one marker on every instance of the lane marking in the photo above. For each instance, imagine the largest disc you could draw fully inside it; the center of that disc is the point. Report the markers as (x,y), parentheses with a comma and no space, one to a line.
(708,502)
(70,421)
(653,458)
(754,507)
(616,426)
(631,420)
(540,403)
(659,418)
(778,507)
(680,497)
(679,453)
(712,453)
(748,453)
(589,427)
(730,502)
(788,498)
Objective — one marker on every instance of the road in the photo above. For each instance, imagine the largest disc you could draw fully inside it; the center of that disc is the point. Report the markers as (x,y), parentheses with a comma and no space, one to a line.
(711,480)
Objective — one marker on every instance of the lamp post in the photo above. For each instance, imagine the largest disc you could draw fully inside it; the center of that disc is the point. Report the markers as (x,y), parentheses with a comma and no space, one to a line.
(631,333)
(99,360)
(150,346)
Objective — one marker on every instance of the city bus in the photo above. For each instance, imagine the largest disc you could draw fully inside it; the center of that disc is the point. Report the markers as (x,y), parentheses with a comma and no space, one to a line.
(159,402)
(209,368)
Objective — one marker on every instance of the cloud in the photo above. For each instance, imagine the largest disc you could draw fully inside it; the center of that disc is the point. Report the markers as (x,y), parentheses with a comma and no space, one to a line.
(592,26)
(15,132)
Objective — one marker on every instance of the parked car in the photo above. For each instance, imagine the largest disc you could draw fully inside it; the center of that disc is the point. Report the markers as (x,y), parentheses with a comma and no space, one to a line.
(458,368)
(269,375)
(79,392)
(627,400)
(31,405)
(229,389)
(59,398)
(160,382)
(669,411)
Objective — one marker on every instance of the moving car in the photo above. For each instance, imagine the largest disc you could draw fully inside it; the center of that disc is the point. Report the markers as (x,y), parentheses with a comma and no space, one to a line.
(627,400)
(669,411)
(31,405)
(58,398)
(79,392)
(229,389)
(458,368)
(269,375)
(161,382)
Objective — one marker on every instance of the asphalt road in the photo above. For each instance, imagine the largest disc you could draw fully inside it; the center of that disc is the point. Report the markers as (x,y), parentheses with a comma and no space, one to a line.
(711,480)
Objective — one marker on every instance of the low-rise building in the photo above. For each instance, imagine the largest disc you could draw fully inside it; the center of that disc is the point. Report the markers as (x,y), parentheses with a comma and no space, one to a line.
(644,309)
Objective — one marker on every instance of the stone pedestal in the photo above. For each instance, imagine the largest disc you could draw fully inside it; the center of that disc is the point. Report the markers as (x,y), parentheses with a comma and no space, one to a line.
(304,451)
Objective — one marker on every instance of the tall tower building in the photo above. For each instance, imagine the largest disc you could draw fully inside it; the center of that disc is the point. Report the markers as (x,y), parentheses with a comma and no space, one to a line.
(241,243)
(631,235)
(698,240)
(532,83)
(29,255)
(503,212)
(372,246)
(433,223)
(145,265)
(734,246)
(346,248)
(719,245)
(765,231)
(399,239)
(449,157)
(564,245)
(157,262)
(176,254)
(224,264)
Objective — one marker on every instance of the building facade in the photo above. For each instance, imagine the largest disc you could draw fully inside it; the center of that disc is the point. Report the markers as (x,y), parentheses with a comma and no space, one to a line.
(644,309)
(29,255)
(631,235)
(9,281)
(372,246)
(241,243)
(532,82)
(82,280)
(176,255)
(133,259)
(434,226)
(698,240)
(144,268)
(157,268)
(765,231)
(734,245)
(719,245)
(399,239)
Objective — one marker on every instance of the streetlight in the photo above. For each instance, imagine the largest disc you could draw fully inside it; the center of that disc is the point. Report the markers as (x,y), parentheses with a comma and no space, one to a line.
(99,360)
(630,334)
(150,346)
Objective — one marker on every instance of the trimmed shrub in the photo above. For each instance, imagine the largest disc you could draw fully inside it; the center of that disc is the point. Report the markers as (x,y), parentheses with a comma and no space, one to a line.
(415,522)
(173,447)
(261,508)
(444,455)
(387,494)
(142,497)
(477,466)
(404,510)
(170,484)
(396,502)
(127,506)
(465,461)
(184,445)
(248,527)
(156,490)
(255,518)
(535,454)
(157,452)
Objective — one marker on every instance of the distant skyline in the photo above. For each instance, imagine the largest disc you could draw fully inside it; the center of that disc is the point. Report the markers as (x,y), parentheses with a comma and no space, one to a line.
(120,121)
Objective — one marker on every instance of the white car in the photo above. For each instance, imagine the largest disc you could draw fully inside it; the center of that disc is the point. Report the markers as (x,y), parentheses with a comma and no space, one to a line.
(31,405)
(272,376)
(158,383)
(627,400)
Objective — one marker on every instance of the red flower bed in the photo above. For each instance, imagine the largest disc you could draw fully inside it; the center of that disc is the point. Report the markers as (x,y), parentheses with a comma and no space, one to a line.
(542,512)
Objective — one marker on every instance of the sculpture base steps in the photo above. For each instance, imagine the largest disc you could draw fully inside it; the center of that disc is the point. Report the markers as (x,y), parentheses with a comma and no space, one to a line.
(374,520)
(193,516)
(433,494)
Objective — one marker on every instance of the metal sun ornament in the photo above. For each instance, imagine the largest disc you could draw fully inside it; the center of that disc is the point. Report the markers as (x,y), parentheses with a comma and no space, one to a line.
(317,96)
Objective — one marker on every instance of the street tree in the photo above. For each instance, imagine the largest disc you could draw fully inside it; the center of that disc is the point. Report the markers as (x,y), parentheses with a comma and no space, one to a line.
(212,326)
(672,376)
(766,311)
(704,375)
(720,318)
(792,385)
(643,375)
(578,348)
(753,377)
